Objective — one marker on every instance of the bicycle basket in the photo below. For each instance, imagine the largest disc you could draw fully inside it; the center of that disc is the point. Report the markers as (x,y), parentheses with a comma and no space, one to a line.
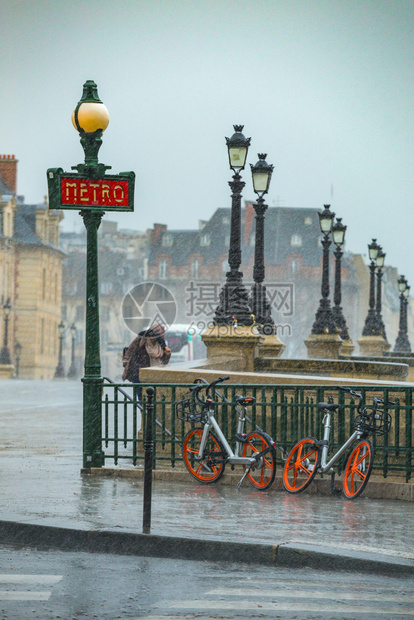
(374,422)
(188,410)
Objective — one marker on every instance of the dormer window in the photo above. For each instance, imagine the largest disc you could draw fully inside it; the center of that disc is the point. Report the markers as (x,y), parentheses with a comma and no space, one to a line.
(296,241)
(225,219)
(167,241)
(205,240)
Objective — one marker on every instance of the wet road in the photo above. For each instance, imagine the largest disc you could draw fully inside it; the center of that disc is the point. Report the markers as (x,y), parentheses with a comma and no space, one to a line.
(53,585)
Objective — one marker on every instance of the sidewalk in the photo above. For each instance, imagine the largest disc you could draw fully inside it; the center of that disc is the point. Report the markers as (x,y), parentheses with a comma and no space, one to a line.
(41,485)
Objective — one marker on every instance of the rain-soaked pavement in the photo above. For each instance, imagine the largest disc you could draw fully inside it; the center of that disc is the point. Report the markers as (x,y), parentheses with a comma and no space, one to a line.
(40,462)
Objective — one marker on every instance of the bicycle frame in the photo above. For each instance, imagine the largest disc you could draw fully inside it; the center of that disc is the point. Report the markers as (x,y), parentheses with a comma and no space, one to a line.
(233,457)
(325,466)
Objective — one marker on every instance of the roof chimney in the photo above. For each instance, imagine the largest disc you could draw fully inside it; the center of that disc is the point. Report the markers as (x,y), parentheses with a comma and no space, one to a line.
(8,171)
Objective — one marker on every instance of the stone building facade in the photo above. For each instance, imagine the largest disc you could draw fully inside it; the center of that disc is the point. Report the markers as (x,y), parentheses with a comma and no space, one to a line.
(31,279)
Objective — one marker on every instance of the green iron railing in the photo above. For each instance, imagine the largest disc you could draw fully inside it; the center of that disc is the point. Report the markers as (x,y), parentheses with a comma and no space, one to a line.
(286,412)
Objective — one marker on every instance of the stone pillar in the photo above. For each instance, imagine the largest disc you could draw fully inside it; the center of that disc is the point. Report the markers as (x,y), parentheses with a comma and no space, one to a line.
(236,342)
(270,346)
(324,346)
(373,346)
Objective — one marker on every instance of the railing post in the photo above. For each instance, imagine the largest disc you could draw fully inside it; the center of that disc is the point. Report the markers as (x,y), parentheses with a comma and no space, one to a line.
(148,447)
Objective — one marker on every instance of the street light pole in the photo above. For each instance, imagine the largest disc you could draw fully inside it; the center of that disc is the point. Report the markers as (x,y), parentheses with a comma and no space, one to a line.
(233,305)
(72,369)
(370,327)
(338,233)
(60,371)
(260,306)
(402,343)
(91,118)
(380,323)
(324,320)
(5,353)
(17,353)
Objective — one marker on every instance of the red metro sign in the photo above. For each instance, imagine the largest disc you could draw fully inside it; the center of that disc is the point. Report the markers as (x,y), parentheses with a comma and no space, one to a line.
(94,193)
(74,191)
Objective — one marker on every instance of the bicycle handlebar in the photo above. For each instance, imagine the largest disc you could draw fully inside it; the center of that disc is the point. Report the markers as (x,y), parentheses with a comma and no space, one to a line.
(377,401)
(203,384)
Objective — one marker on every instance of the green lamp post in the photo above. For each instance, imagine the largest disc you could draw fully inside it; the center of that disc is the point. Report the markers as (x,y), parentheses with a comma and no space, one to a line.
(91,191)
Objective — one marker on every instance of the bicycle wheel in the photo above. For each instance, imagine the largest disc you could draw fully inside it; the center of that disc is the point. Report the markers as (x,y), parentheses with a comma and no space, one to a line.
(261,475)
(211,467)
(301,465)
(358,469)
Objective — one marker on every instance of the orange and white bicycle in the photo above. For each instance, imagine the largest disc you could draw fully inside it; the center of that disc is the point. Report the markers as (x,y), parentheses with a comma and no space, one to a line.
(206,451)
(310,457)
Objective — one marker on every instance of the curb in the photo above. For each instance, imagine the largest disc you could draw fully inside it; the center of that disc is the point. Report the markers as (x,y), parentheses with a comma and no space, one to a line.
(376,489)
(43,537)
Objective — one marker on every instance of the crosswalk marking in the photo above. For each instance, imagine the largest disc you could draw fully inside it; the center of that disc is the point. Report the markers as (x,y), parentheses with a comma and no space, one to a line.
(27,580)
(31,579)
(17,595)
(319,594)
(244,605)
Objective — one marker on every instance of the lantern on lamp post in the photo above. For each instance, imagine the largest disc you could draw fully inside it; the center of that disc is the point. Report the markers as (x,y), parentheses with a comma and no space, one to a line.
(324,320)
(233,303)
(72,372)
(379,262)
(5,353)
(259,304)
(92,192)
(402,343)
(60,371)
(371,327)
(338,234)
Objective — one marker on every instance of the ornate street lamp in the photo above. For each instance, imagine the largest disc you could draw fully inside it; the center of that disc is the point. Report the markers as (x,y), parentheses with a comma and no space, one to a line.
(60,371)
(324,319)
(379,261)
(92,193)
(17,354)
(233,303)
(72,372)
(371,327)
(402,343)
(261,174)
(5,353)
(338,234)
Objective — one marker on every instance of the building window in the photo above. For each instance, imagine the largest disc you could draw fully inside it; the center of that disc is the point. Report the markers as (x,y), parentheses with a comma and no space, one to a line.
(163,269)
(106,287)
(44,284)
(308,221)
(167,240)
(195,268)
(42,336)
(105,313)
(296,241)
(80,313)
(225,219)
(104,337)
(205,240)
(293,267)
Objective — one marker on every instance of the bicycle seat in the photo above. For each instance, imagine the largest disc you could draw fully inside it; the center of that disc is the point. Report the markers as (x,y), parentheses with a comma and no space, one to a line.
(329,407)
(245,401)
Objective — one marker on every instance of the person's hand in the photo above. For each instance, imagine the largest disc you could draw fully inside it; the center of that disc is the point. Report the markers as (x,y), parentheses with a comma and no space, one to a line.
(167,350)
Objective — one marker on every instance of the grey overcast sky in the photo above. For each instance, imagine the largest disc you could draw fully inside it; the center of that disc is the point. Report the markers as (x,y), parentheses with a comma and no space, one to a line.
(324,87)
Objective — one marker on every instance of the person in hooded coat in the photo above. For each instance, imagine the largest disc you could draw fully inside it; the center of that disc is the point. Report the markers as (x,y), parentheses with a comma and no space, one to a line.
(147,349)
